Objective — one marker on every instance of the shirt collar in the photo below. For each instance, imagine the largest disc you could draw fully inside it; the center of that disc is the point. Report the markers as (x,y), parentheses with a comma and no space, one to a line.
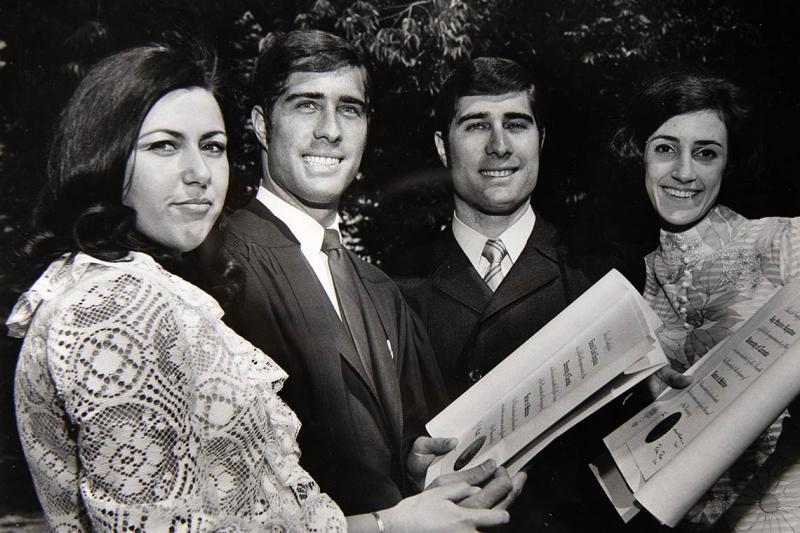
(515,237)
(305,229)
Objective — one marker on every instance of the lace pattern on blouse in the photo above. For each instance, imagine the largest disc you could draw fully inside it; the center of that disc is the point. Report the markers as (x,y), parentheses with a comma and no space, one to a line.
(138,409)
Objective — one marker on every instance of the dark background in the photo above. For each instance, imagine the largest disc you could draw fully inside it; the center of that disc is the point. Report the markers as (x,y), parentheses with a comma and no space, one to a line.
(587,57)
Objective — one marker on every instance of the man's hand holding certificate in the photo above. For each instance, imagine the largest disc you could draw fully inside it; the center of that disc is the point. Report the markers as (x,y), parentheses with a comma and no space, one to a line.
(597,348)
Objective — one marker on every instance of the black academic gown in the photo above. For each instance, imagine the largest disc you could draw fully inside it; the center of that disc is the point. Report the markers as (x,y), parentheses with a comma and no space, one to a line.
(356,428)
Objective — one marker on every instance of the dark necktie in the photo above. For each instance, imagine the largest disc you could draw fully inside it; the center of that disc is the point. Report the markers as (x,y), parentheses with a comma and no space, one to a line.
(345,281)
(494,251)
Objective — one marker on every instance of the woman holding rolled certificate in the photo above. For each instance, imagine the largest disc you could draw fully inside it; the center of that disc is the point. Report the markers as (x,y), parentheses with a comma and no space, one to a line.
(692,135)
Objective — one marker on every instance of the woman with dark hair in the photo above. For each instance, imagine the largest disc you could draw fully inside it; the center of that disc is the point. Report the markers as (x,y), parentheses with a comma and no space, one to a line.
(693,135)
(137,408)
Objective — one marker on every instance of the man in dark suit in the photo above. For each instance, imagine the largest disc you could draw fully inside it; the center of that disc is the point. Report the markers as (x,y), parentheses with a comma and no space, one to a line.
(499,274)
(362,378)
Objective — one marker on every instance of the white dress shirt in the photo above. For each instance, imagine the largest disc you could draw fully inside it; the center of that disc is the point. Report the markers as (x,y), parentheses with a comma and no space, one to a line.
(310,234)
(514,239)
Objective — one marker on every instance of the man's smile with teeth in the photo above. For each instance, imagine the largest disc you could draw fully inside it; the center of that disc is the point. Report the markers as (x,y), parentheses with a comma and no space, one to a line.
(321,161)
(500,173)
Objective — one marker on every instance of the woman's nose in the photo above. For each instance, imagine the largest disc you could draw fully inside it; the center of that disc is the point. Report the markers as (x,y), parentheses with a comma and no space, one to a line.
(195,168)
(684,169)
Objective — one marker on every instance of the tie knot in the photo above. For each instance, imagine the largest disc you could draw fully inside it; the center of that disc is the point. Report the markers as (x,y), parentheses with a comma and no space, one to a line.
(494,251)
(331,240)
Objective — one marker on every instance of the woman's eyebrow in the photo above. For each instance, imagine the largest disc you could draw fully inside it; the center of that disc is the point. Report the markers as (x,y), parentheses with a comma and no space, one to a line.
(168,131)
(701,142)
(664,137)
(213,134)
(707,142)
(179,135)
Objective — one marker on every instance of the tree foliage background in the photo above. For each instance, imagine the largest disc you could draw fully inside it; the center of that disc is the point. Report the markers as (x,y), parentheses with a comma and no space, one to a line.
(587,56)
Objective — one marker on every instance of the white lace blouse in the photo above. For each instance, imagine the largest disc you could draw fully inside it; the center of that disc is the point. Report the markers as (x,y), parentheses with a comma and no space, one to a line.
(139,410)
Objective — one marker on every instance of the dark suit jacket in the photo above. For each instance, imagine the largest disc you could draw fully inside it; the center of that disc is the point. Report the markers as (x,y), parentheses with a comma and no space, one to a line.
(471,328)
(356,431)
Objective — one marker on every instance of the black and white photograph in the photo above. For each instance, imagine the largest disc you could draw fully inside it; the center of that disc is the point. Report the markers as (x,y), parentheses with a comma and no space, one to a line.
(389,266)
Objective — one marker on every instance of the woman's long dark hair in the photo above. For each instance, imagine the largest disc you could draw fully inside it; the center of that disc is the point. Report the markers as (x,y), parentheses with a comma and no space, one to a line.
(80,208)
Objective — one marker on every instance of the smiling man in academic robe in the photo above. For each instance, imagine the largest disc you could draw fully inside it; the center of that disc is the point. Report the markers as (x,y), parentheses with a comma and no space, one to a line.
(362,376)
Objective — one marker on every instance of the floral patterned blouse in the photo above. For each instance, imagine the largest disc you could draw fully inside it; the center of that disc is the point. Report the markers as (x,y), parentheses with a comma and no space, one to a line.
(704,283)
(139,410)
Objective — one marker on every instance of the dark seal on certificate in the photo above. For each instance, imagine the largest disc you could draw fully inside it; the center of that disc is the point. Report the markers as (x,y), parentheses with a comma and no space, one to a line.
(662,427)
(469,452)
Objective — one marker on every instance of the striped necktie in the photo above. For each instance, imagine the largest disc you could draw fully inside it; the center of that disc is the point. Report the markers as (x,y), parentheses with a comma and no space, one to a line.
(494,251)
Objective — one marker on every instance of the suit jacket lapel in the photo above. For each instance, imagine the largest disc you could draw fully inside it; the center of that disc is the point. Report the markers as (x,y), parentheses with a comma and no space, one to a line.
(536,267)
(327,324)
(456,277)
(307,289)
(378,326)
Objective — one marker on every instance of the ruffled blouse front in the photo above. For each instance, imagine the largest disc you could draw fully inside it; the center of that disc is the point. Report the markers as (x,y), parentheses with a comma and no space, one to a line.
(704,283)
(138,409)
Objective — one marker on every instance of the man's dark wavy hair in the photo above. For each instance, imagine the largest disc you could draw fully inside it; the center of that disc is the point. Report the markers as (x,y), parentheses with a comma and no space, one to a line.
(686,91)
(300,51)
(485,76)
(80,207)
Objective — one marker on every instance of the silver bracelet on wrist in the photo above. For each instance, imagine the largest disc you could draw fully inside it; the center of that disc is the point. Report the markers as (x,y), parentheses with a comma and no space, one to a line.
(379,522)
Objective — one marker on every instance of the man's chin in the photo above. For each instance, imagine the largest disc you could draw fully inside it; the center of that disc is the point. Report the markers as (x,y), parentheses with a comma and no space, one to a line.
(322,201)
(505,209)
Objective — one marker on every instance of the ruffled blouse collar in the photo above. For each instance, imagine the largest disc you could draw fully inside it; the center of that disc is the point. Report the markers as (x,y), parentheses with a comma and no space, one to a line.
(716,230)
(65,272)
